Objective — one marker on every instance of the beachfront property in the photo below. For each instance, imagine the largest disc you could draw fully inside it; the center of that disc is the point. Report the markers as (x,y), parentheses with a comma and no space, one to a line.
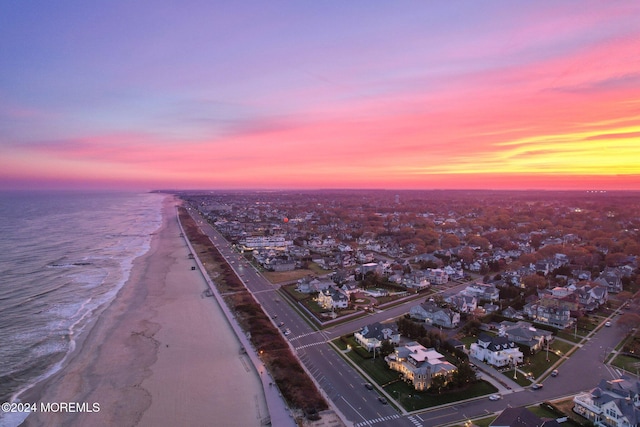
(613,403)
(419,365)
(250,243)
(499,351)
(372,336)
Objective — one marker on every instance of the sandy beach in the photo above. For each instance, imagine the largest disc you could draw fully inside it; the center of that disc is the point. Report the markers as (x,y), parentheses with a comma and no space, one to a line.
(160,354)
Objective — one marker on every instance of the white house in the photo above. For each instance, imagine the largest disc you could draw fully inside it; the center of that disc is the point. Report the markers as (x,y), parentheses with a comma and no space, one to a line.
(432,314)
(372,336)
(463,303)
(524,333)
(482,291)
(437,276)
(332,298)
(497,351)
(418,365)
(613,403)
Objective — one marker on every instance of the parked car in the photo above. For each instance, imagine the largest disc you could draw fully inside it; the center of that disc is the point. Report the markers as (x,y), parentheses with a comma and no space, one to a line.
(537,386)
(554,373)
(607,324)
(369,386)
(382,400)
(494,397)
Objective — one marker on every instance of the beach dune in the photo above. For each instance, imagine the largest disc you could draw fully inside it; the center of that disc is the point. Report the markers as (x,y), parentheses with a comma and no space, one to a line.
(161,354)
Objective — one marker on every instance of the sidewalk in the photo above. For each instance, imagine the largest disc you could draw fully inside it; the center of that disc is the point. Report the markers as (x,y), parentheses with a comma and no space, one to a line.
(504,384)
(279,413)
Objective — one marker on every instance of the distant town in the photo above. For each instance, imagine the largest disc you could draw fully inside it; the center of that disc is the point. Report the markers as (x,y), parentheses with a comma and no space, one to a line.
(492,293)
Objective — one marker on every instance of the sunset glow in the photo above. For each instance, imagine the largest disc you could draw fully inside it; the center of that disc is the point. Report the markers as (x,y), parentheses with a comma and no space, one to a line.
(326,95)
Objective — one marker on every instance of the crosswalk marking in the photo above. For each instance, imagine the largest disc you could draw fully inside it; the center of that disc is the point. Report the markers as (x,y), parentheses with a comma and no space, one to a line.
(303,335)
(376,420)
(309,345)
(414,421)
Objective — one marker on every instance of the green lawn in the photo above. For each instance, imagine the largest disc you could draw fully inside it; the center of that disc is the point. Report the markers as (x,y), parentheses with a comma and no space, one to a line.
(376,369)
(627,363)
(569,336)
(413,400)
(520,378)
(561,346)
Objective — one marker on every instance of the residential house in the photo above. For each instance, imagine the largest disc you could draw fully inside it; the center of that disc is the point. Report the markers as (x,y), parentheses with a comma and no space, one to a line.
(370,266)
(543,267)
(454,273)
(428,258)
(498,351)
(591,297)
(523,333)
(491,308)
(351,288)
(475,266)
(418,365)
(332,298)
(280,264)
(612,403)
(437,276)
(250,243)
(611,280)
(482,292)
(310,285)
(512,313)
(559,316)
(415,280)
(463,303)
(432,314)
(581,274)
(372,336)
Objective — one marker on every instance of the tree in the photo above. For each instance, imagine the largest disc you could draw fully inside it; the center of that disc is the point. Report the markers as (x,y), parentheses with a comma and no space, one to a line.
(438,382)
(386,348)
(464,375)
(534,281)
(467,255)
(628,321)
(613,260)
(479,241)
(449,241)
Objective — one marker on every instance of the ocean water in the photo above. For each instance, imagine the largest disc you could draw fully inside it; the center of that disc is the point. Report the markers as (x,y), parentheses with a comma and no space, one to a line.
(63,258)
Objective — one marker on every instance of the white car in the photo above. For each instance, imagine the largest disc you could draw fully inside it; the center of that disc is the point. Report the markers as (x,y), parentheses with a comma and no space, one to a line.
(494,397)
(607,324)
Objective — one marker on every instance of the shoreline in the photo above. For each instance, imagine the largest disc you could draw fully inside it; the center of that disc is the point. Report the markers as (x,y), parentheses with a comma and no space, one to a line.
(157,354)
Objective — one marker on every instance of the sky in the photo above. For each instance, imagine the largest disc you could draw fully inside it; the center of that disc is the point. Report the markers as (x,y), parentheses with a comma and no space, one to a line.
(201,94)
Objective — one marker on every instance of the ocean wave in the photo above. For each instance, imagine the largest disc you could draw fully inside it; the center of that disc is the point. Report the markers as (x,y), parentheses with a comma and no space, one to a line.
(59,281)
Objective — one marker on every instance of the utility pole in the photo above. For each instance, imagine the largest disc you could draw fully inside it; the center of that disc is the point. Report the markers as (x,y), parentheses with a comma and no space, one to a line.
(547,340)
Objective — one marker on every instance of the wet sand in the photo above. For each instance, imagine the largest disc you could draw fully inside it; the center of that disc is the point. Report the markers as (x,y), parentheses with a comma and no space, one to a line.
(160,354)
